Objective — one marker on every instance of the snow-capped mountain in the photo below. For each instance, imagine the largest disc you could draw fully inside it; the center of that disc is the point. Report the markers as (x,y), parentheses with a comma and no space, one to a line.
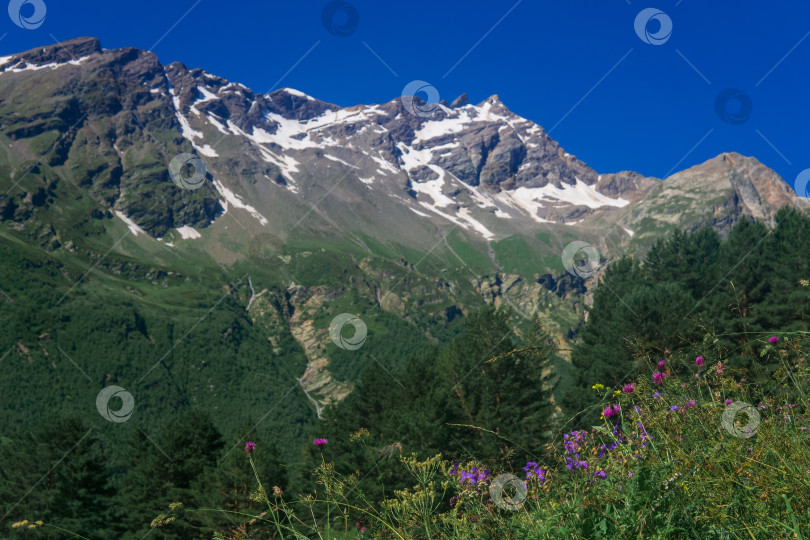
(420,212)
(472,166)
(285,160)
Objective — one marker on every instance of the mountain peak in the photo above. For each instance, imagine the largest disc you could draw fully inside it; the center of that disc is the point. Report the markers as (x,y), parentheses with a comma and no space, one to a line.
(728,161)
(482,167)
(65,51)
(460,101)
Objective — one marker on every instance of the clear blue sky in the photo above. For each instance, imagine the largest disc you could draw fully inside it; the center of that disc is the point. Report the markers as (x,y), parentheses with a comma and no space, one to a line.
(541,59)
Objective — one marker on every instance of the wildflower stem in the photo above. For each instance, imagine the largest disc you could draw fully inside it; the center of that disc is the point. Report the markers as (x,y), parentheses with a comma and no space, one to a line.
(264,495)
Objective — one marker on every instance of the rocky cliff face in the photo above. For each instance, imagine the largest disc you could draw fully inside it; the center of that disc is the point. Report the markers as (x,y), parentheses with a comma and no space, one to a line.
(113,119)
(442,207)
(91,112)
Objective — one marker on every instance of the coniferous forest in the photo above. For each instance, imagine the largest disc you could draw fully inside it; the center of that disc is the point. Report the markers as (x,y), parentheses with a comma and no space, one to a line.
(643,441)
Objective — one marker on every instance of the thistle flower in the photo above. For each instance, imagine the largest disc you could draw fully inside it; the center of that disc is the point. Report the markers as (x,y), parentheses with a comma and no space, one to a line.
(610,411)
(319,442)
(662,364)
(658,377)
(699,361)
(250,447)
(773,340)
(627,388)
(728,402)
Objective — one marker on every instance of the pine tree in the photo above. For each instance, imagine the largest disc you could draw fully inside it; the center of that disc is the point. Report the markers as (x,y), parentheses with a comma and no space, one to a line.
(161,471)
(55,472)
(226,489)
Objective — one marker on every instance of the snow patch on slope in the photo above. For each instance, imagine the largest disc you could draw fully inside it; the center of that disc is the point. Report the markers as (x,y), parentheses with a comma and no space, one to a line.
(579,194)
(412,159)
(464,116)
(333,158)
(33,67)
(234,200)
(133,227)
(298,93)
(188,233)
(206,150)
(187,131)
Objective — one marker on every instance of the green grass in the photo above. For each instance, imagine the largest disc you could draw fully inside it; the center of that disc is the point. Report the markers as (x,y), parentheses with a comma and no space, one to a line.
(671,468)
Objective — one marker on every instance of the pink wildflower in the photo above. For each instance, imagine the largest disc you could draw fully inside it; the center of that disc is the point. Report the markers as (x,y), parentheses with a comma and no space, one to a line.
(611,410)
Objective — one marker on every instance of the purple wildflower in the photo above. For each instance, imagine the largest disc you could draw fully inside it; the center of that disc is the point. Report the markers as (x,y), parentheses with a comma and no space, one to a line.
(601,474)
(699,361)
(483,476)
(319,442)
(250,447)
(662,364)
(532,468)
(628,388)
(658,377)
(657,395)
(673,408)
(773,340)
(611,410)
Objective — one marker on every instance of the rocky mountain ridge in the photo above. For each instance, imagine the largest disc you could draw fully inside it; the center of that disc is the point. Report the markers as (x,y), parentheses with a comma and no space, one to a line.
(440,207)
